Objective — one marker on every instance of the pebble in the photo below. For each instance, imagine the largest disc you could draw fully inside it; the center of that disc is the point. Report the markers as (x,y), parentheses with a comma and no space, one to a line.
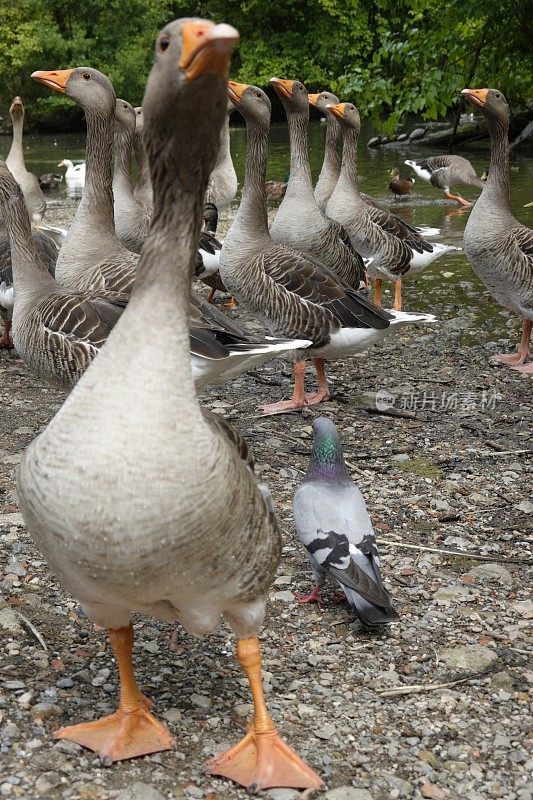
(46,710)
(172,715)
(9,622)
(140,791)
(348,793)
(201,700)
(283,794)
(492,572)
(326,731)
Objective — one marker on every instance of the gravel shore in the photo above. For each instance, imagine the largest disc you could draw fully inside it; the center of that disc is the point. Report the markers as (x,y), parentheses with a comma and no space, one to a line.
(436,706)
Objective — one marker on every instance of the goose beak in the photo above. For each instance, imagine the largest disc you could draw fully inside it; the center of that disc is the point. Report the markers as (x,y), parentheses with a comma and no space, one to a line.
(236,90)
(283,88)
(56,79)
(206,48)
(313,99)
(478,97)
(336,110)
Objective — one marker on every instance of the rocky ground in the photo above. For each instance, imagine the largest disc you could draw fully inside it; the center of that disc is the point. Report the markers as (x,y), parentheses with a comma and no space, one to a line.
(436,706)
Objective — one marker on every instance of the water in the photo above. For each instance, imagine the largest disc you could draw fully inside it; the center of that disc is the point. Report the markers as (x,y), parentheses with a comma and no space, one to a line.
(447,287)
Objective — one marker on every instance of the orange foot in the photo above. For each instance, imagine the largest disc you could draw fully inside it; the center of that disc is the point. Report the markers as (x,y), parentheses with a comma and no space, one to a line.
(281,407)
(513,359)
(261,761)
(232,303)
(319,397)
(122,735)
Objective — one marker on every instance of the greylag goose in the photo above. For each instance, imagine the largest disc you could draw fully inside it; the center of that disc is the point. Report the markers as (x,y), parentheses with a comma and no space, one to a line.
(146,449)
(143,188)
(47,251)
(293,293)
(444,172)
(498,247)
(400,187)
(132,219)
(299,223)
(331,166)
(333,525)
(28,182)
(393,247)
(222,186)
(56,332)
(75,174)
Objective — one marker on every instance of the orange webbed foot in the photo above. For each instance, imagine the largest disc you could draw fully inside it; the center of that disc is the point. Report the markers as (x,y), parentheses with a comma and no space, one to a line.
(122,735)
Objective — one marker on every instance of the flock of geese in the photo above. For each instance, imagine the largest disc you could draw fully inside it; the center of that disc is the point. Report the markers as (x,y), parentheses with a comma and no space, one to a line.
(113,490)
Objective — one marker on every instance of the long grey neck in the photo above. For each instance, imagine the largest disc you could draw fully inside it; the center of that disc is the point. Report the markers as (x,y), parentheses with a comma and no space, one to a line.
(122,174)
(496,189)
(144,183)
(331,166)
(252,217)
(224,153)
(348,174)
(96,205)
(30,277)
(16,152)
(300,173)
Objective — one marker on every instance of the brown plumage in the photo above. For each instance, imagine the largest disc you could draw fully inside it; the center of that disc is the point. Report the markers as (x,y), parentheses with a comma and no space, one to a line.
(400,187)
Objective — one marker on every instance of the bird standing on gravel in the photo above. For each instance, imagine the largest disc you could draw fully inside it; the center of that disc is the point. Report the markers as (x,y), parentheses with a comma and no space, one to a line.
(333,525)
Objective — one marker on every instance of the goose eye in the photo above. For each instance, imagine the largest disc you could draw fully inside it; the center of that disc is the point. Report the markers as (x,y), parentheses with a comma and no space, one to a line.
(258,94)
(164,43)
(86,76)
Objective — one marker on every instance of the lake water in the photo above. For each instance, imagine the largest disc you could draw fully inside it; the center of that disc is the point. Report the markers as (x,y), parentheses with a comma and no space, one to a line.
(448,287)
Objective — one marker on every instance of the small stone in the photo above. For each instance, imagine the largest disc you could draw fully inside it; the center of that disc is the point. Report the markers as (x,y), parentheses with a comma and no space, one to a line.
(526,506)
(139,791)
(201,700)
(348,793)
(492,572)
(326,731)
(172,715)
(283,794)
(523,607)
(46,710)
(244,710)
(194,791)
(14,685)
(455,766)
(502,680)
(10,731)
(283,597)
(65,683)
(432,791)
(25,699)
(9,622)
(447,595)
(470,658)
(151,647)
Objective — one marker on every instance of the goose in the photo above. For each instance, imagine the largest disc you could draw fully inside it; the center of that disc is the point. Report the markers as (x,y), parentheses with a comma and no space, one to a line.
(446,171)
(400,187)
(28,182)
(47,250)
(50,180)
(132,219)
(499,248)
(292,293)
(125,538)
(299,223)
(94,260)
(393,247)
(222,186)
(56,332)
(331,166)
(75,174)
(143,188)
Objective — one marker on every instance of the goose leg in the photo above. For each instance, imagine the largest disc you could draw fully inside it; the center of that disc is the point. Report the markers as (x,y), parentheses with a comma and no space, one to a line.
(298,399)
(323,386)
(6,342)
(397,295)
(458,199)
(521,361)
(378,283)
(132,730)
(211,295)
(261,759)
(232,303)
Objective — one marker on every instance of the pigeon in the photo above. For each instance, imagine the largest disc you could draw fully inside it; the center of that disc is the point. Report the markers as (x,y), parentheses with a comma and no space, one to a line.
(333,525)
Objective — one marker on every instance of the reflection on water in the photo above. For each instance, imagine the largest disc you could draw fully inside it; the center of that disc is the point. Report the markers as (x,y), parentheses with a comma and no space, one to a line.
(447,287)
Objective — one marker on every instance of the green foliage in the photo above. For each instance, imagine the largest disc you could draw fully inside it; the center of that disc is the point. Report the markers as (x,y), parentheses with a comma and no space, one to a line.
(391,57)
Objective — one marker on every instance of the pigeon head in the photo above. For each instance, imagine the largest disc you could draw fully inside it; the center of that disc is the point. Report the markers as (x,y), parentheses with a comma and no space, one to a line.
(327,460)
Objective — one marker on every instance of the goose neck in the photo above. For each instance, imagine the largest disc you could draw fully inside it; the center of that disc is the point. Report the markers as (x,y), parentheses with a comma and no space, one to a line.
(16,151)
(497,185)
(143,170)
(252,213)
(300,171)
(122,174)
(349,158)
(332,149)
(97,198)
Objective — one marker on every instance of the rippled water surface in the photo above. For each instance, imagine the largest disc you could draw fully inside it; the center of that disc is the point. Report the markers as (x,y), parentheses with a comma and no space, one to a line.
(448,287)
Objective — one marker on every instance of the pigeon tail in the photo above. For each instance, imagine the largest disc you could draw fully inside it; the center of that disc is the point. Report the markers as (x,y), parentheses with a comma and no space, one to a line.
(369,614)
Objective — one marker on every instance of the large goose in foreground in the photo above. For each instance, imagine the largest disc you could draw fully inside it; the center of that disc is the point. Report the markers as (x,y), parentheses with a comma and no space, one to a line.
(498,247)
(126,538)
(444,172)
(28,182)
(293,293)
(394,248)
(299,223)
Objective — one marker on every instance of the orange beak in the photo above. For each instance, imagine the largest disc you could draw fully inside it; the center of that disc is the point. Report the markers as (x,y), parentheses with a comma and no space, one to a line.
(313,99)
(56,79)
(283,88)
(336,110)
(236,90)
(478,97)
(206,48)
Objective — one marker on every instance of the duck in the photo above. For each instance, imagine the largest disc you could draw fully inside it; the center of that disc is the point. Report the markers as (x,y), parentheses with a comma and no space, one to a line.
(392,247)
(291,292)
(50,180)
(132,219)
(125,539)
(400,187)
(223,184)
(299,223)
(333,525)
(56,332)
(498,247)
(446,171)
(75,174)
(143,188)
(331,165)
(28,182)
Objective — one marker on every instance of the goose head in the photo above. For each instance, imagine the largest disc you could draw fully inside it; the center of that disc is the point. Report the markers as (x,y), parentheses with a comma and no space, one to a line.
(347,114)
(293,95)
(190,66)
(251,101)
(492,103)
(16,110)
(139,118)
(124,116)
(322,100)
(88,87)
